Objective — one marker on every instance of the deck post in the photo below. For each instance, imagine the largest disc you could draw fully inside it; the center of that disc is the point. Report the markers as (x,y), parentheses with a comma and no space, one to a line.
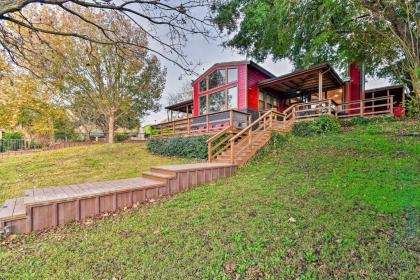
(230,117)
(320,93)
(188,126)
(207,123)
(209,152)
(329,106)
(173,127)
(391,106)
(232,152)
(361,107)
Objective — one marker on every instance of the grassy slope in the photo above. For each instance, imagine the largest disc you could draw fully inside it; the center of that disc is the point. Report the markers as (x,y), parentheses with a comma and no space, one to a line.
(354,196)
(75,165)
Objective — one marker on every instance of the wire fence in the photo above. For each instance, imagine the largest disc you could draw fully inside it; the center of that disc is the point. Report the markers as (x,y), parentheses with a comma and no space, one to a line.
(11,147)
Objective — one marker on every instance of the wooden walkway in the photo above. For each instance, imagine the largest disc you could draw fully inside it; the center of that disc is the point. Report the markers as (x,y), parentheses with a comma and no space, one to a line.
(43,208)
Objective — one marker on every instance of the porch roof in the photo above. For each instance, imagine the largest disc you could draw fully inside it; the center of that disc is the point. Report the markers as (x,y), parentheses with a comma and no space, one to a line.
(304,81)
(184,106)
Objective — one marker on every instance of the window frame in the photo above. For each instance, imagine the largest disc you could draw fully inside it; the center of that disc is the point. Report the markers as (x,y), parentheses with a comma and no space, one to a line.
(225,80)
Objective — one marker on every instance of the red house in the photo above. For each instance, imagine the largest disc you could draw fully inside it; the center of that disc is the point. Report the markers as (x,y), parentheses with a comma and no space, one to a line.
(234,93)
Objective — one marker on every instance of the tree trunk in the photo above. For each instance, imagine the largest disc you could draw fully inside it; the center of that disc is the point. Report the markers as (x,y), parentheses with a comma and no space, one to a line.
(415,80)
(111,123)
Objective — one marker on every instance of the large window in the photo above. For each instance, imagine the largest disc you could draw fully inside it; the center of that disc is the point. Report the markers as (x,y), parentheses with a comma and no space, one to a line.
(203,105)
(217,78)
(217,101)
(232,98)
(203,85)
(232,75)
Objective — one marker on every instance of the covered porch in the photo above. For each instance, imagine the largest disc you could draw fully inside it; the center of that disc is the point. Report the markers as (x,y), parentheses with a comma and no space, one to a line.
(316,91)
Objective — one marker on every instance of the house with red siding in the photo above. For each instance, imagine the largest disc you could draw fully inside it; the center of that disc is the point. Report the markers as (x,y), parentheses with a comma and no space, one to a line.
(237,92)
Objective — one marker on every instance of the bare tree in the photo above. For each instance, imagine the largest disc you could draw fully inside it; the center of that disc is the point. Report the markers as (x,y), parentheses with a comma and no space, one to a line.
(167,24)
(183,94)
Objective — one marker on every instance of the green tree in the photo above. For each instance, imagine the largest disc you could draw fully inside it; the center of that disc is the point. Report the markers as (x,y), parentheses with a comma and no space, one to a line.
(382,34)
(118,83)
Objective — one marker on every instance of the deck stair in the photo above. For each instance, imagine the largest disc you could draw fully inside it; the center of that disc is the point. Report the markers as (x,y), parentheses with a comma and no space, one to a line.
(238,147)
(42,208)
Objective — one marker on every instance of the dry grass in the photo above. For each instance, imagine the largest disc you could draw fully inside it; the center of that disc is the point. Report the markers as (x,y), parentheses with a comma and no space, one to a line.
(75,165)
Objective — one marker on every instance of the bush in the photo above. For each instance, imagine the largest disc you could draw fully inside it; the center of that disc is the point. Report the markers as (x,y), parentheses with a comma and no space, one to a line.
(322,125)
(187,147)
(12,135)
(120,137)
(412,104)
(303,128)
(365,121)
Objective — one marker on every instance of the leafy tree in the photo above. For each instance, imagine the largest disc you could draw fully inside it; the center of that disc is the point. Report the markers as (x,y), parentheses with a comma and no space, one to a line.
(382,34)
(118,83)
(26,105)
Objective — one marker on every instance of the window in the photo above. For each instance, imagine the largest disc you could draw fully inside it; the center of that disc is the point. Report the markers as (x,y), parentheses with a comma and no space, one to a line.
(269,104)
(217,101)
(217,79)
(261,102)
(203,85)
(232,75)
(203,105)
(232,96)
(275,103)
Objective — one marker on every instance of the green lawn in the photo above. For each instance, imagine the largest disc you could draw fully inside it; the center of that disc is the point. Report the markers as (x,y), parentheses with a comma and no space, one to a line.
(75,165)
(343,206)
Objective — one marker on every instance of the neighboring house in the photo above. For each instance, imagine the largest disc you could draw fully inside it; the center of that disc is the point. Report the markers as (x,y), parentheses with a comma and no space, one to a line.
(248,88)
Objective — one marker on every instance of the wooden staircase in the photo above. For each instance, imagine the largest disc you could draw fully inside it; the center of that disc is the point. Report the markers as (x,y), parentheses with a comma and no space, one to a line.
(239,146)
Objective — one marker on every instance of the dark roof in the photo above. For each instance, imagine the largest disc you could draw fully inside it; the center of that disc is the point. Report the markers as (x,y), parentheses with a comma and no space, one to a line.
(304,80)
(385,88)
(181,106)
(239,62)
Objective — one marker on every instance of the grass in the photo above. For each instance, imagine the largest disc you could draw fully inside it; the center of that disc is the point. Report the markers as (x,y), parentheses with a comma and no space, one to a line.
(75,165)
(337,206)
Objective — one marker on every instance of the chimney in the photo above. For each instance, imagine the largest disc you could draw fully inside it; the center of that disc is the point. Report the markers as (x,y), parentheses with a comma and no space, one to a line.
(357,82)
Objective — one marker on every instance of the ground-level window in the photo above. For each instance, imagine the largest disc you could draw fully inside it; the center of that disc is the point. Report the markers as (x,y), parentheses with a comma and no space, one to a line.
(261,102)
(217,101)
(203,105)
(232,98)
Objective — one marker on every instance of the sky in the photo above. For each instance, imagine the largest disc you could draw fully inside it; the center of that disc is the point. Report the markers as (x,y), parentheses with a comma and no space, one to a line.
(208,53)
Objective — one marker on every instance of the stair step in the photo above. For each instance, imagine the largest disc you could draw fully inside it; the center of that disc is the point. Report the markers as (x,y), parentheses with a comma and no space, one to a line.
(13,209)
(157,176)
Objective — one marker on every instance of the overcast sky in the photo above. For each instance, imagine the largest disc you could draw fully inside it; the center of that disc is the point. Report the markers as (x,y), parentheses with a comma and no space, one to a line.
(209,53)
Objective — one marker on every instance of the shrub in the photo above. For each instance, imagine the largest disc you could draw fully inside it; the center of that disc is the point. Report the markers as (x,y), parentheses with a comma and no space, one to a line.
(365,121)
(303,128)
(322,125)
(412,104)
(187,147)
(120,137)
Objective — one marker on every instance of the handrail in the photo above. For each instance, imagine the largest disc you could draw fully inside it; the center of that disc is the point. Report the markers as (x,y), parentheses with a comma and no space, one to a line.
(250,126)
(219,134)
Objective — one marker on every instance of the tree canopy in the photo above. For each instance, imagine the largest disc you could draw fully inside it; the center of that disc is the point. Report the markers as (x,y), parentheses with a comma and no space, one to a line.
(166,23)
(384,35)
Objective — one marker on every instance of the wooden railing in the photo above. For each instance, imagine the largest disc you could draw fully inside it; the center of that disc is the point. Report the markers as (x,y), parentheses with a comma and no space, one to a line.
(363,107)
(205,124)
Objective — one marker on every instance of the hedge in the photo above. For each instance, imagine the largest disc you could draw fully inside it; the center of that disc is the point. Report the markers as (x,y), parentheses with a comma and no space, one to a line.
(186,147)
(322,125)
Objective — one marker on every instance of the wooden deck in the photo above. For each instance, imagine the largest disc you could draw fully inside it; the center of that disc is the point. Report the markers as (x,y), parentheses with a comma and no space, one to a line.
(49,207)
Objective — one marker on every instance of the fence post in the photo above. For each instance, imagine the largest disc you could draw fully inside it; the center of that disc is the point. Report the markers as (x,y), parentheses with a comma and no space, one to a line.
(361,107)
(188,126)
(230,117)
(207,123)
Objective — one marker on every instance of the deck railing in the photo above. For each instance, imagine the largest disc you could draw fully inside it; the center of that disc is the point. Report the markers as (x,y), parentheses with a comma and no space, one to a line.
(205,124)
(362,108)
